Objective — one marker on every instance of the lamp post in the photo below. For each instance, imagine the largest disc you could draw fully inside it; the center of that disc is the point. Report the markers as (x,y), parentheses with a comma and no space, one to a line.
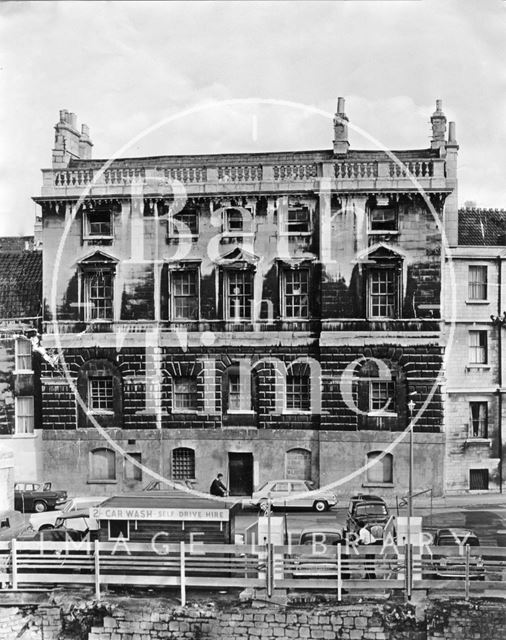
(411,407)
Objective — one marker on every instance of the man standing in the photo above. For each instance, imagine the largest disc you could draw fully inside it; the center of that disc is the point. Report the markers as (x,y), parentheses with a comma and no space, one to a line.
(217,487)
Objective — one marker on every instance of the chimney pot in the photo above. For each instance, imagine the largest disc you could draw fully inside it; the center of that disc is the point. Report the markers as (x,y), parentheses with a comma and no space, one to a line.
(439,105)
(452,139)
(340,105)
(73,120)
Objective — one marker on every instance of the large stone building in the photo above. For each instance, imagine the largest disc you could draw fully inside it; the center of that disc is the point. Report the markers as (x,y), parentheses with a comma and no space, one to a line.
(268,315)
(475,412)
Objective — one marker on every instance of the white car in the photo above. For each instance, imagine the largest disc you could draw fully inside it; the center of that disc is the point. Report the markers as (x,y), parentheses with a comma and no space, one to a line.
(282,494)
(47,520)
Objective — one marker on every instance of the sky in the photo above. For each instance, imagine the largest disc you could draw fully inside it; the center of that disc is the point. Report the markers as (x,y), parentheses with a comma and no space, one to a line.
(125,66)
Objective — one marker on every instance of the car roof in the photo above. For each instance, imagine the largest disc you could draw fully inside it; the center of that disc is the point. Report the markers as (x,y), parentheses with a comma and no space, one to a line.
(460,533)
(367,497)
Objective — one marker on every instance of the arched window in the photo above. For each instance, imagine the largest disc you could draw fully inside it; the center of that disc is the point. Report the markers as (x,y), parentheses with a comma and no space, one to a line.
(183,464)
(381,472)
(102,465)
(298,464)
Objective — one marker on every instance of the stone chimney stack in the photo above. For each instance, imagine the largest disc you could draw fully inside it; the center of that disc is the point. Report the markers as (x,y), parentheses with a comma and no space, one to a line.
(85,144)
(341,144)
(68,142)
(438,121)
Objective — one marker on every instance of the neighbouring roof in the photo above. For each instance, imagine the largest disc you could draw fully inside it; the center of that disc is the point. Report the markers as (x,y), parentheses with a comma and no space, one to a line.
(20,284)
(486,227)
(16,243)
(162,500)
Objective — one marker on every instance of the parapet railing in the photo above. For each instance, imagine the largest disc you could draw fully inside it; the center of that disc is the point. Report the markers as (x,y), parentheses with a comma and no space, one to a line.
(317,567)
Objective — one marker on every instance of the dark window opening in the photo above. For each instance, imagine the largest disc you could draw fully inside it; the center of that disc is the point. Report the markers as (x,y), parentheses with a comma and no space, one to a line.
(383,219)
(298,220)
(478,479)
(183,464)
(478,419)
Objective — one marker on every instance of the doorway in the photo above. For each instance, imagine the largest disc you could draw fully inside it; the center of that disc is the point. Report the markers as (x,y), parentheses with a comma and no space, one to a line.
(240,474)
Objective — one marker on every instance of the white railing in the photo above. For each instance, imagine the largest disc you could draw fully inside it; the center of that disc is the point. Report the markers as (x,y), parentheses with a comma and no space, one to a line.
(417,168)
(240,173)
(354,170)
(295,171)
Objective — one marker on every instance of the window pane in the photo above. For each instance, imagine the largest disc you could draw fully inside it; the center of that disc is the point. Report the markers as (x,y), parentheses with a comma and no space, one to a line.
(298,394)
(298,220)
(24,414)
(131,471)
(382,293)
(239,290)
(478,347)
(234,392)
(477,283)
(234,220)
(296,293)
(185,394)
(98,295)
(183,464)
(99,223)
(101,396)
(184,295)
(381,396)
(103,464)
(384,219)
(189,217)
(478,419)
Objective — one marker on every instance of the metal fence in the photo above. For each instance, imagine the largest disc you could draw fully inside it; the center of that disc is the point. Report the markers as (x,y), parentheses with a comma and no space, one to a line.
(316,567)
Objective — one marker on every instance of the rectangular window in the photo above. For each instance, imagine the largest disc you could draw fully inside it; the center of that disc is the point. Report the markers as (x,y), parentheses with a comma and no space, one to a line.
(477,283)
(239,295)
(102,465)
(119,529)
(382,293)
(98,293)
(98,224)
(383,219)
(478,420)
(184,223)
(185,394)
(478,479)
(183,464)
(477,347)
(298,393)
(132,472)
(23,348)
(298,220)
(100,393)
(295,293)
(24,409)
(184,294)
(234,392)
(234,220)
(381,396)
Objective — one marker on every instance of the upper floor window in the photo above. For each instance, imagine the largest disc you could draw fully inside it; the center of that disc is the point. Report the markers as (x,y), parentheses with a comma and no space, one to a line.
(98,223)
(24,414)
(184,295)
(381,397)
(298,219)
(234,220)
(98,294)
(478,420)
(100,393)
(477,282)
(184,223)
(383,219)
(478,347)
(295,290)
(298,392)
(23,349)
(185,395)
(383,293)
(238,294)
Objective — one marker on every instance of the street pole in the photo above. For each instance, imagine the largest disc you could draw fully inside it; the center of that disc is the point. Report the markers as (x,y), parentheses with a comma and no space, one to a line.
(409,548)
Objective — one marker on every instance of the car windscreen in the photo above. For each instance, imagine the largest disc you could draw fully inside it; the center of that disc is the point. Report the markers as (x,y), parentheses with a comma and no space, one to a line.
(371,510)
(454,541)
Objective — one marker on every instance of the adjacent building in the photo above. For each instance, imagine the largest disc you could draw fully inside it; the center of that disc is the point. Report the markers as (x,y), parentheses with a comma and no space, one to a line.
(267,315)
(475,412)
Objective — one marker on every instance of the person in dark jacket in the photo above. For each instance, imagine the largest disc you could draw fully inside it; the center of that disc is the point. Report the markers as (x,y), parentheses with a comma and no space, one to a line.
(217,487)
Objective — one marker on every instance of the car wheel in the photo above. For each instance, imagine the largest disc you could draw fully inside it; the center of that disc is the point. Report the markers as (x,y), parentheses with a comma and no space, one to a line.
(40,506)
(320,505)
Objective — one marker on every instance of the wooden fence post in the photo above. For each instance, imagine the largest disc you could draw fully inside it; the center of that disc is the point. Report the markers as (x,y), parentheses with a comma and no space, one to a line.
(468,553)
(339,574)
(14,564)
(96,557)
(182,573)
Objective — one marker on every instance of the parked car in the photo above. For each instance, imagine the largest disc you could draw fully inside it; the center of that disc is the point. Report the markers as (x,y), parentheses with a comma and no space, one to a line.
(454,566)
(367,510)
(47,520)
(37,496)
(281,490)
(320,561)
(13,524)
(156,485)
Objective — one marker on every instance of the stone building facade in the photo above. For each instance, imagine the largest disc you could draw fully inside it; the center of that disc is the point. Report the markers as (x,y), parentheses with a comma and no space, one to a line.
(267,315)
(475,412)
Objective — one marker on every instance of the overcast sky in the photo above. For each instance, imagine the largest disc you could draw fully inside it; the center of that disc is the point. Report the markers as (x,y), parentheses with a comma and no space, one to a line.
(122,67)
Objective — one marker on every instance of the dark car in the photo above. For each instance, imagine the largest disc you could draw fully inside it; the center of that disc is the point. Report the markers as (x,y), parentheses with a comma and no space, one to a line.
(369,511)
(320,561)
(454,565)
(37,496)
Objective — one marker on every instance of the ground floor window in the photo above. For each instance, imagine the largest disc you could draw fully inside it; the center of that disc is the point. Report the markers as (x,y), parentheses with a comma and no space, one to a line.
(478,420)
(183,464)
(381,470)
(478,479)
(24,414)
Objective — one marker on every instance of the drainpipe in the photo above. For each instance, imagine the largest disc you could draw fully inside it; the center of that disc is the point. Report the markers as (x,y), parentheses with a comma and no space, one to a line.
(499,362)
